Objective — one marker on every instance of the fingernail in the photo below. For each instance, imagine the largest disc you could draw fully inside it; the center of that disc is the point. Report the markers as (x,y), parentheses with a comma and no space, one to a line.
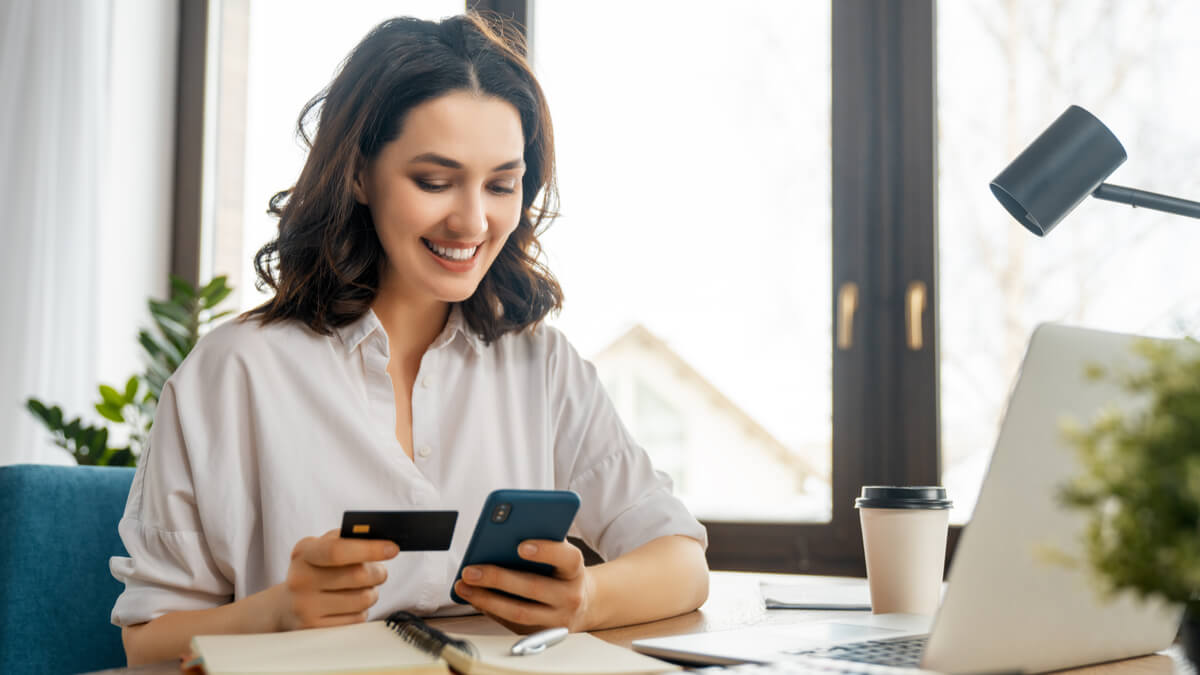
(472,574)
(393,549)
(528,549)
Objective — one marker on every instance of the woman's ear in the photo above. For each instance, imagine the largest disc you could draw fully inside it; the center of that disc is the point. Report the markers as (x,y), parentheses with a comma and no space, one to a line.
(360,191)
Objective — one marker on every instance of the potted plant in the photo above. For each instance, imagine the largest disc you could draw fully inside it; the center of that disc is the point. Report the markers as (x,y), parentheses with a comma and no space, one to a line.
(178,324)
(1140,485)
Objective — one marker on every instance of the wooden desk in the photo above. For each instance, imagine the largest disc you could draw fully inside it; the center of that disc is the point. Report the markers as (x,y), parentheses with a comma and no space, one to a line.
(733,602)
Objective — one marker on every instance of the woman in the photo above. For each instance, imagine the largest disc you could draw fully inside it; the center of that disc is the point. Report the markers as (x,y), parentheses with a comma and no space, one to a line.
(401,364)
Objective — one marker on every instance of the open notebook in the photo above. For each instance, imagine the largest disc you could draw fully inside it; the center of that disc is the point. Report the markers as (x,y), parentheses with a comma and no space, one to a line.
(405,644)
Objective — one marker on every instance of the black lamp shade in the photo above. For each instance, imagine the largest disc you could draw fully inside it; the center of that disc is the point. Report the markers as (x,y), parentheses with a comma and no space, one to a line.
(1061,168)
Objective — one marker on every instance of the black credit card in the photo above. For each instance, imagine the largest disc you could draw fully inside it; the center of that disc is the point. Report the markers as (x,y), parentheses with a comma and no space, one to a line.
(411,530)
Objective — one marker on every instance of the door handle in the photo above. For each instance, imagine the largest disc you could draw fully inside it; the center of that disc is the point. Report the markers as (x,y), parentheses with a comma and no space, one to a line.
(914,313)
(847,304)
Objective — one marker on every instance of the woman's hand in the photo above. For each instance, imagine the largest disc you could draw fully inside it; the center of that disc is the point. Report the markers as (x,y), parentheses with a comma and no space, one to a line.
(332,581)
(561,600)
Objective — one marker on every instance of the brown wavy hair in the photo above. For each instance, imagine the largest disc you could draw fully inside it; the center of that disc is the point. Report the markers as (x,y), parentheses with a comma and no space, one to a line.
(325,264)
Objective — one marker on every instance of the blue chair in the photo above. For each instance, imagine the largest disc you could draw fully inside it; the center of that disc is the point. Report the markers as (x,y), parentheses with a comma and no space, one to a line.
(58,528)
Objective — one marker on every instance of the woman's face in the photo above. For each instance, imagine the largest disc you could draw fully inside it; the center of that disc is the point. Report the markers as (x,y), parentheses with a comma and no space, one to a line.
(446,194)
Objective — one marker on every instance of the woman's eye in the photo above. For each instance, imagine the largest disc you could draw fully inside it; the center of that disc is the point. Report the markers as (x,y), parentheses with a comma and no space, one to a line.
(430,187)
(503,189)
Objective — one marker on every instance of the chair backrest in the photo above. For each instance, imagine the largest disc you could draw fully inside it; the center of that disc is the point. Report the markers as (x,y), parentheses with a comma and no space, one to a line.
(58,528)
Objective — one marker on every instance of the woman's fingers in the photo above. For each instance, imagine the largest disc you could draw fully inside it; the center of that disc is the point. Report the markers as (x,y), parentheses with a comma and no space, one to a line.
(352,601)
(531,615)
(330,550)
(525,584)
(564,557)
(333,581)
(339,620)
(358,575)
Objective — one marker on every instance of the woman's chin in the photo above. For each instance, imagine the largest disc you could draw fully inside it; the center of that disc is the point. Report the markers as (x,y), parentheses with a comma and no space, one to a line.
(453,295)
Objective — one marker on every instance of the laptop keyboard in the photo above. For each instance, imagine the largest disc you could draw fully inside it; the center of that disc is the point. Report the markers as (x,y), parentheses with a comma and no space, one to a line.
(898,652)
(810,666)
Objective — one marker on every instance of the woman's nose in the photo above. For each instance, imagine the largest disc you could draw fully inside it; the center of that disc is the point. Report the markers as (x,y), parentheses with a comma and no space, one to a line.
(469,217)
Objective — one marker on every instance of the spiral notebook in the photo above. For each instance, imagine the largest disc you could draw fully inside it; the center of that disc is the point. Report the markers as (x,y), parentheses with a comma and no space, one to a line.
(406,644)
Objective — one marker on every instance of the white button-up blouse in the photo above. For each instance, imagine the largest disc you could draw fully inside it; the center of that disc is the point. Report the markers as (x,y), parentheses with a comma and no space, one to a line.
(266,434)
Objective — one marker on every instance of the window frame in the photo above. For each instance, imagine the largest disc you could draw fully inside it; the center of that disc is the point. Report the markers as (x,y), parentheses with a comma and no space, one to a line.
(885,395)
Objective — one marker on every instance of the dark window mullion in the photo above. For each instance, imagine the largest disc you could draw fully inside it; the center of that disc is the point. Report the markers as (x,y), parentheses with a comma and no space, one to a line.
(915,107)
(859,373)
(189,140)
(884,177)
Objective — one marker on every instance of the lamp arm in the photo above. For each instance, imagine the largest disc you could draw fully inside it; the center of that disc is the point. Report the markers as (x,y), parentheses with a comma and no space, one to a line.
(1149,200)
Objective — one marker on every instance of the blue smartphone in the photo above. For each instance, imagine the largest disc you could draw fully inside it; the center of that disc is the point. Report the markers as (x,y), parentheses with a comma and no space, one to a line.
(508,518)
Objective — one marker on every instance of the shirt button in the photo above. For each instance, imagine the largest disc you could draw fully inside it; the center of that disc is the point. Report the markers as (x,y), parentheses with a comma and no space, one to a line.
(424,451)
(426,382)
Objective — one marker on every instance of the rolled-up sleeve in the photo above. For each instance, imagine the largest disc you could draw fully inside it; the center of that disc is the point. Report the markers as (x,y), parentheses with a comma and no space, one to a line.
(625,502)
(169,566)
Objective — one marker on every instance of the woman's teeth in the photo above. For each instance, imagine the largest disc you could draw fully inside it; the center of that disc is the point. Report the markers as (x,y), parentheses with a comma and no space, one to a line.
(451,253)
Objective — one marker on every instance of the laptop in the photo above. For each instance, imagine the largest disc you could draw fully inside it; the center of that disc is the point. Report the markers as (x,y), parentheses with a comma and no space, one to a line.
(1010,603)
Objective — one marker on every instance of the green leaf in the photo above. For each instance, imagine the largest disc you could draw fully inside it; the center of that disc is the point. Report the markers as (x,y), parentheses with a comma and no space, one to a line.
(119,457)
(178,336)
(96,440)
(110,412)
(56,417)
(111,397)
(169,310)
(163,351)
(72,430)
(171,327)
(40,411)
(215,299)
(155,348)
(181,288)
(131,388)
(160,368)
(155,381)
(214,286)
(218,315)
(151,346)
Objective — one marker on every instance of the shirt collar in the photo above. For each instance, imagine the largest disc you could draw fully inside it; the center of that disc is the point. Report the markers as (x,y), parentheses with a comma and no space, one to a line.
(353,334)
(456,324)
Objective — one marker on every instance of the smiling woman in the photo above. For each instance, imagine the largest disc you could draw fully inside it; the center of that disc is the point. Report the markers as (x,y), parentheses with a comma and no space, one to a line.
(441,221)
(414,177)
(401,364)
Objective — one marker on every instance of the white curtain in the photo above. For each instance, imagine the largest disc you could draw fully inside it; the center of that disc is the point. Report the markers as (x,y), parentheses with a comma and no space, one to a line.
(74,201)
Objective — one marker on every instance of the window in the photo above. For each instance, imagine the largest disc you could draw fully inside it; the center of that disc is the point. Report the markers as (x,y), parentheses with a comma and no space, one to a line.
(1006,70)
(694,241)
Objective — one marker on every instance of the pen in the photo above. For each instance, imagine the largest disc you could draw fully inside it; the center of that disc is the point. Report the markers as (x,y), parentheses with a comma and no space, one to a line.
(538,642)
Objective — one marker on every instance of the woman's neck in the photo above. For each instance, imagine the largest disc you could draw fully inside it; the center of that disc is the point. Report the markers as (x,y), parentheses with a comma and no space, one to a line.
(411,326)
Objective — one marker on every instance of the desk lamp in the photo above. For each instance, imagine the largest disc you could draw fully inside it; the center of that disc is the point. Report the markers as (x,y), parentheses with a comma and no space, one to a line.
(1069,161)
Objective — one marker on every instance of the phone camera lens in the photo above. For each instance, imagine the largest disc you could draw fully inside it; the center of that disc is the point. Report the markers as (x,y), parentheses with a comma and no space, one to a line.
(500,513)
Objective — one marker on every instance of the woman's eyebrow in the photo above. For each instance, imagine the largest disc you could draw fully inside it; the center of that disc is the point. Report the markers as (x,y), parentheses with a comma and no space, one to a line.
(440,160)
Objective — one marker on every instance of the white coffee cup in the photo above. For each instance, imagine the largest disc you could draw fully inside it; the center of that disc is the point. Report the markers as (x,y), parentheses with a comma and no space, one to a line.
(904,541)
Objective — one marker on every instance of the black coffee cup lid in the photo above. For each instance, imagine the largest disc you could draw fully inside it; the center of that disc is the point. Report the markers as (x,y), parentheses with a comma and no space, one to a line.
(893,497)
